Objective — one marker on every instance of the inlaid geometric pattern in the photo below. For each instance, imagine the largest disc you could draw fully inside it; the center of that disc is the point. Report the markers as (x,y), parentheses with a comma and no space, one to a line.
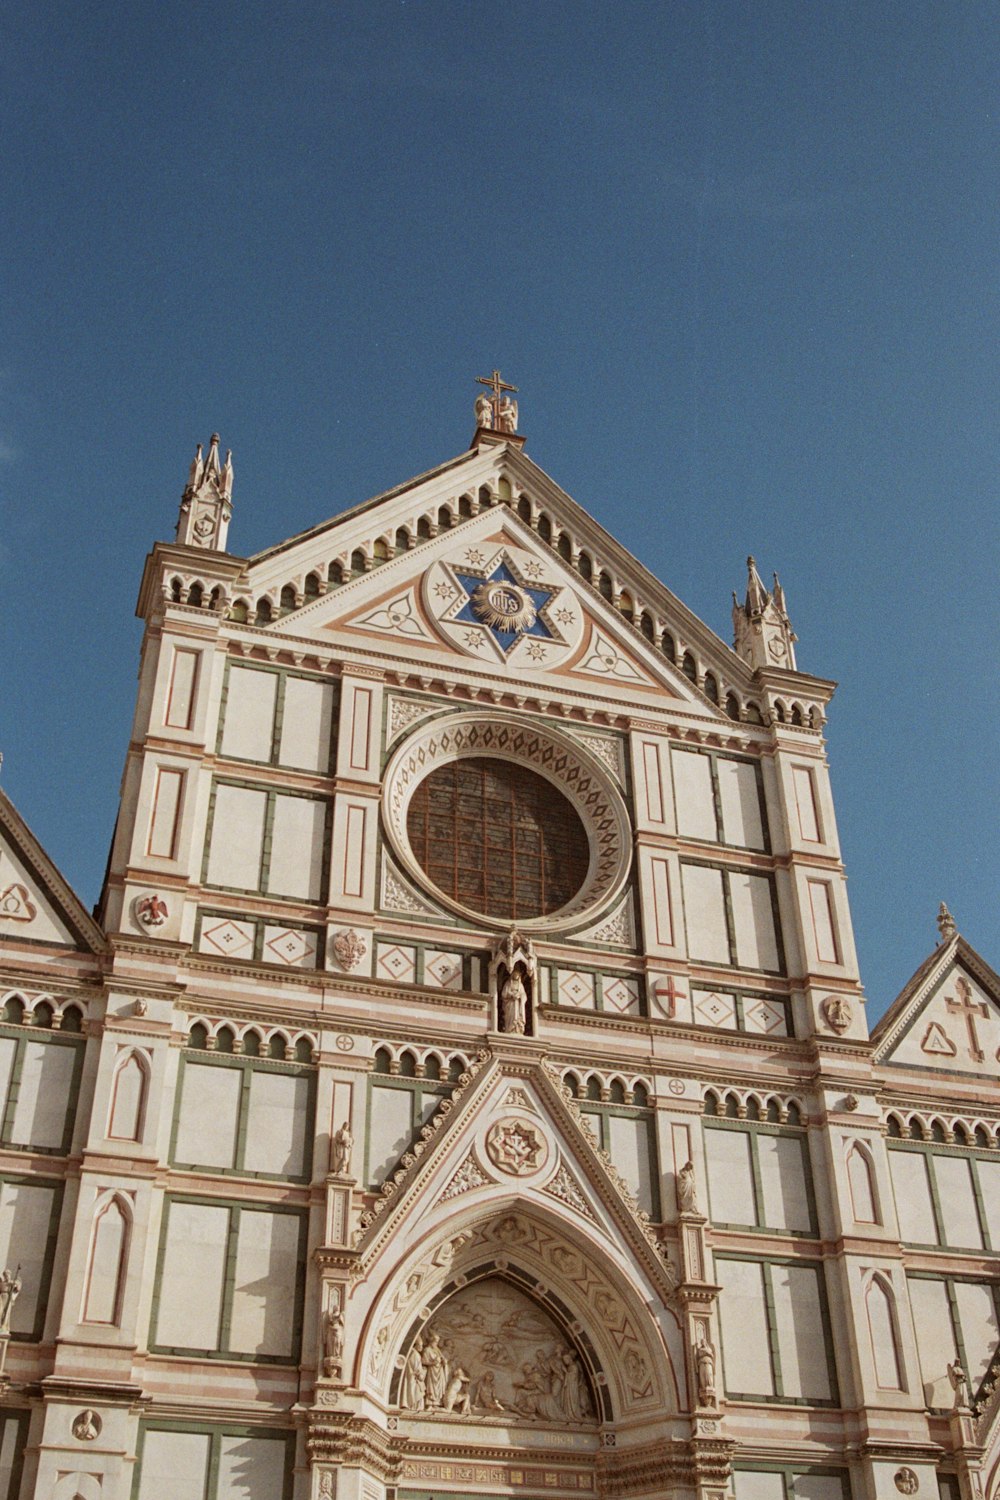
(443,970)
(235,939)
(576,989)
(765,1016)
(620,994)
(713,1009)
(396,962)
(287,945)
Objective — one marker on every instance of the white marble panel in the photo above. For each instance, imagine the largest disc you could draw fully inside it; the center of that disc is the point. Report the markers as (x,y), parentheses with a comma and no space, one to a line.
(805,802)
(25,1219)
(576,988)
(10,1448)
(978,1318)
(249,722)
(290,946)
(263,1313)
(824,928)
(237,838)
(818,1487)
(44,1094)
(802,1345)
(753,1484)
(912,1190)
(297,848)
(442,971)
(783,1181)
(741,823)
(860,1176)
(765,1016)
(693,795)
(396,961)
(705,913)
(251,1468)
(753,921)
(989,1186)
(730,1178)
(276,1127)
(621,995)
(629,1146)
(714,1008)
(390,1130)
(881,1326)
(174,1464)
(935,1337)
(8,1047)
(191,1282)
(208,1115)
(109,1238)
(306,725)
(180,693)
(743,1317)
(958,1203)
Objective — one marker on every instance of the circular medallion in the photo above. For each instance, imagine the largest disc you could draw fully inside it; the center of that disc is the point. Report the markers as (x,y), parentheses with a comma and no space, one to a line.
(516,1147)
(504,607)
(345,1044)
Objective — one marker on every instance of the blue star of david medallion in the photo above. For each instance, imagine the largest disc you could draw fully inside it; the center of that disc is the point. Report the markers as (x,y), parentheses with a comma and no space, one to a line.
(506,604)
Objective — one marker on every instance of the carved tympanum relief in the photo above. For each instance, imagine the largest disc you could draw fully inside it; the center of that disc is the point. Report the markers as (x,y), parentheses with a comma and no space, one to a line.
(490,1352)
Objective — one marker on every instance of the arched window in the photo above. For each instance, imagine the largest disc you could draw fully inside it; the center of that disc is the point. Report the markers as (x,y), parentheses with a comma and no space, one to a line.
(106,1263)
(753,714)
(711,688)
(251,1043)
(444,518)
(626,605)
(711,1103)
(640,1096)
(407,1065)
(456,1068)
(773,1115)
(402,539)
(465,506)
(176,589)
(796,714)
(893,1127)
(239,612)
(668,646)
(524,509)
(215,598)
(916,1130)
(42,1014)
(573,1084)
(334,573)
(689,667)
(585,567)
(277,1047)
(264,612)
(224,1039)
(383,1062)
(196,595)
(357,562)
(794,1114)
(732,1107)
(605,587)
(646,626)
(303,1050)
(779,710)
(616,1093)
(311,587)
(544,527)
(753,1109)
(198,1037)
(432,1067)
(72,1018)
(732,706)
(594,1087)
(424,528)
(938,1132)
(13,1011)
(982,1139)
(564,546)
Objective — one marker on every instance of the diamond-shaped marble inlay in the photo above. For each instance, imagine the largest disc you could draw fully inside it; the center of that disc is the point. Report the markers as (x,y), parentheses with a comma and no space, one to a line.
(235,939)
(621,995)
(443,969)
(712,1009)
(764,1015)
(395,962)
(286,945)
(576,988)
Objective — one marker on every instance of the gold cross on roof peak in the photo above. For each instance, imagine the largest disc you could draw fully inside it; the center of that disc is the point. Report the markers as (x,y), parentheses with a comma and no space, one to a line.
(495,383)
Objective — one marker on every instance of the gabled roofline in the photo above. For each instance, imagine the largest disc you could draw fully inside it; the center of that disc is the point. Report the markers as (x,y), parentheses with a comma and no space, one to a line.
(897,1019)
(69,905)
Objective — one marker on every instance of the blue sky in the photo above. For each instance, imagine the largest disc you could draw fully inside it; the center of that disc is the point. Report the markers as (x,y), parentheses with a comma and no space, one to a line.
(741,260)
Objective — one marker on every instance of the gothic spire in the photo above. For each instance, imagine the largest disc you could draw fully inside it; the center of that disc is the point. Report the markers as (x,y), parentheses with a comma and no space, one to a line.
(206,505)
(762,631)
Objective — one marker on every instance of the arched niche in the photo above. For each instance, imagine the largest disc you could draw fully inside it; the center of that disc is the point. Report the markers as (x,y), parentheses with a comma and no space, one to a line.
(106,1261)
(632,1339)
(126,1113)
(861,1179)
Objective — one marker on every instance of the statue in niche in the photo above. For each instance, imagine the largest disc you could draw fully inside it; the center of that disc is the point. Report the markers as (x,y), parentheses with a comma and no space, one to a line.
(10,1290)
(333,1343)
(490,1352)
(343,1145)
(512,972)
(704,1363)
(687,1200)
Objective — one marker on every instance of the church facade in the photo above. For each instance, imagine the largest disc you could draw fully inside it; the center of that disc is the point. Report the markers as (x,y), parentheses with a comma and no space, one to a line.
(464,1086)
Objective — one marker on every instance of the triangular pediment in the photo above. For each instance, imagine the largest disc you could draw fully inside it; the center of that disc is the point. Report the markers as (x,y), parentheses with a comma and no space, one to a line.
(375,578)
(511,1130)
(490,597)
(947,1017)
(36,903)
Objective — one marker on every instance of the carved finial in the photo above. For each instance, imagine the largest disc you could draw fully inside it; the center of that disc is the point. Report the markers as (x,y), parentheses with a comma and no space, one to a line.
(946,924)
(206,505)
(762,631)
